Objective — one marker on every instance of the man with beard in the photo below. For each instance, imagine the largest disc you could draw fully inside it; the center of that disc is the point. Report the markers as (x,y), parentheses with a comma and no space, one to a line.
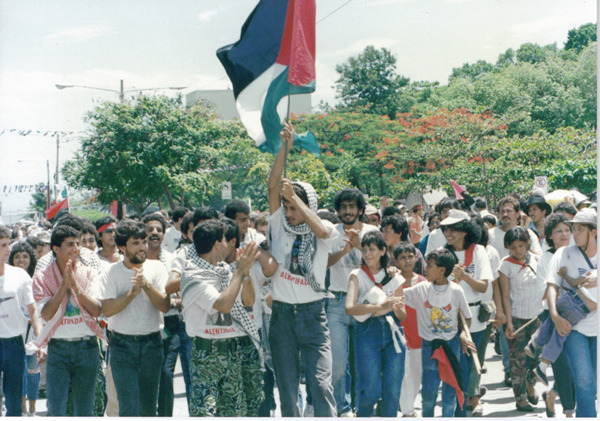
(155,228)
(133,300)
(345,257)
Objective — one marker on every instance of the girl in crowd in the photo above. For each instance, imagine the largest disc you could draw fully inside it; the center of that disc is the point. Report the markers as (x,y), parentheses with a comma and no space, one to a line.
(378,340)
(522,300)
(23,256)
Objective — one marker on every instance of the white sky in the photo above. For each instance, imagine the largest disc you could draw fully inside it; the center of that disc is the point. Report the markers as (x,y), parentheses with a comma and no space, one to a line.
(152,43)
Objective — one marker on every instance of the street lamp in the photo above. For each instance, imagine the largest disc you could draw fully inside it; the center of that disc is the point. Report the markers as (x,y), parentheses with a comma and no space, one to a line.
(121,92)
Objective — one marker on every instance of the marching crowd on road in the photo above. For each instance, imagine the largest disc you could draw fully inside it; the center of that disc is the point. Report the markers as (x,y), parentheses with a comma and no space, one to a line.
(369,307)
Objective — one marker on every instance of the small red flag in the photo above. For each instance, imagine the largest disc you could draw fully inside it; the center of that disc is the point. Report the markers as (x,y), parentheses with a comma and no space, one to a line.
(114,208)
(458,190)
(53,210)
(446,373)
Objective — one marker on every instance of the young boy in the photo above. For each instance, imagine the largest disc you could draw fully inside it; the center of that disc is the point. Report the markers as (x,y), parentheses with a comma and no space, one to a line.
(572,305)
(405,255)
(437,304)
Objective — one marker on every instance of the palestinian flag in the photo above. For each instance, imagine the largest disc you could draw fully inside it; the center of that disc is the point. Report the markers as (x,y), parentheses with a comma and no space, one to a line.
(274,57)
(53,210)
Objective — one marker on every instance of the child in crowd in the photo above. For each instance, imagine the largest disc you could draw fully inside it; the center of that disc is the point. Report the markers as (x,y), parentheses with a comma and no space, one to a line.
(573,305)
(406,258)
(522,297)
(437,304)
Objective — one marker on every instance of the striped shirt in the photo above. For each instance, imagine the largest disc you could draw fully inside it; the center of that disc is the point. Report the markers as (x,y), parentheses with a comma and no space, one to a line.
(526,292)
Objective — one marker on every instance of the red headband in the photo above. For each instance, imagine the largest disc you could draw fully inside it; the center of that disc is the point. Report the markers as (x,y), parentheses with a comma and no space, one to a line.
(106,226)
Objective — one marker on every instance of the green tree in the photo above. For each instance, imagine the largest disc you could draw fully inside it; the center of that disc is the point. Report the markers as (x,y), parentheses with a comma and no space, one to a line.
(369,82)
(472,71)
(581,37)
(39,198)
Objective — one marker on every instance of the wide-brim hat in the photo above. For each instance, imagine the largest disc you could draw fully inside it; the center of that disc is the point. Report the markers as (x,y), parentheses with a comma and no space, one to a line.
(455,216)
(370,210)
(586,216)
(538,199)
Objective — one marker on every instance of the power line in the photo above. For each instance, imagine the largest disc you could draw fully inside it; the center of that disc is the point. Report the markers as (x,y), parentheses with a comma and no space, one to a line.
(323,18)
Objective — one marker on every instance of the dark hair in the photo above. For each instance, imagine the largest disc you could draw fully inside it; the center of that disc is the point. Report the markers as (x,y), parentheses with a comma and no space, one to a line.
(232,230)
(431,216)
(516,234)
(22,247)
(351,195)
(480,203)
(328,216)
(398,202)
(5,232)
(376,238)
(89,228)
(70,220)
(510,200)
(404,247)
(262,220)
(207,234)
(484,236)
(472,230)
(443,258)
(187,219)
(490,219)
(551,222)
(104,220)
(389,211)
(34,241)
(178,213)
(447,203)
(204,213)
(128,228)
(155,216)
(398,224)
(301,193)
(62,232)
(566,207)
(236,206)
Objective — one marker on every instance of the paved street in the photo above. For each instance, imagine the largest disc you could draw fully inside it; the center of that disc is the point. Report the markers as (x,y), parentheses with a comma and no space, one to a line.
(498,401)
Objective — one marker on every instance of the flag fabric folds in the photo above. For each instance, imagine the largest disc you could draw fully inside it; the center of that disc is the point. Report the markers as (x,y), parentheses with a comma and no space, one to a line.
(448,368)
(274,57)
(53,210)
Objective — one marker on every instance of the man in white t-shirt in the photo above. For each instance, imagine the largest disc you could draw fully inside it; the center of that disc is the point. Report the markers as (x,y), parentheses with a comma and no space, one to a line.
(15,292)
(300,242)
(239,211)
(69,293)
(173,234)
(345,256)
(219,303)
(134,301)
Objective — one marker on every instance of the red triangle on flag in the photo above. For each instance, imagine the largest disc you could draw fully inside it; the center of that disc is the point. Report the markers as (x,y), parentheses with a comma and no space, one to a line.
(447,375)
(53,210)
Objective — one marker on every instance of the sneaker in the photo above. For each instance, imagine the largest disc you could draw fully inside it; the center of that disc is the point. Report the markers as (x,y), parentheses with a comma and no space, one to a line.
(412,415)
(540,375)
(477,411)
(530,350)
(309,411)
(348,414)
(507,381)
(482,391)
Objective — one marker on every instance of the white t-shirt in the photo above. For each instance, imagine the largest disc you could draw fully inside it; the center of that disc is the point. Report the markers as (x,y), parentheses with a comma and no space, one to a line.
(208,323)
(288,284)
(572,258)
(497,241)
(437,309)
(15,293)
(365,283)
(340,272)
(436,240)
(526,292)
(479,269)
(140,317)
(171,239)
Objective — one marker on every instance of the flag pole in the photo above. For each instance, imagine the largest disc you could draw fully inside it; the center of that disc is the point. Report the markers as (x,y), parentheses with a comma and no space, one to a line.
(287,118)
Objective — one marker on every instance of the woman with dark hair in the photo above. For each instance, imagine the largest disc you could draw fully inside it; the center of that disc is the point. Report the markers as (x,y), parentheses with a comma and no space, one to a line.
(472,273)
(376,300)
(23,256)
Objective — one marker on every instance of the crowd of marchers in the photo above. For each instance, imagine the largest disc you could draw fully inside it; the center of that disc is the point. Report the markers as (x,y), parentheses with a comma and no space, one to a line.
(369,307)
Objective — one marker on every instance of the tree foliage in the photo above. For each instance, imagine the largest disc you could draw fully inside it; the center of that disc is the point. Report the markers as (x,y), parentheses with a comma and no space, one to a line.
(581,37)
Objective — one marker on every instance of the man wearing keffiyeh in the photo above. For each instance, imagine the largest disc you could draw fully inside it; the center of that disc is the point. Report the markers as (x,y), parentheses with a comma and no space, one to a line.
(301,243)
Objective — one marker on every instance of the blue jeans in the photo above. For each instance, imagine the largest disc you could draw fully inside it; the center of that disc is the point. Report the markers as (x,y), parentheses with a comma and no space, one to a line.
(563,382)
(136,362)
(430,382)
(31,379)
(379,368)
(302,328)
(170,352)
(339,326)
(12,364)
(185,355)
(581,351)
(73,364)
(466,366)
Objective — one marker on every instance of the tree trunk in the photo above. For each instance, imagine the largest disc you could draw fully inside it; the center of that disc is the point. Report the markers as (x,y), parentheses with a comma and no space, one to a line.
(169,197)
(182,197)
